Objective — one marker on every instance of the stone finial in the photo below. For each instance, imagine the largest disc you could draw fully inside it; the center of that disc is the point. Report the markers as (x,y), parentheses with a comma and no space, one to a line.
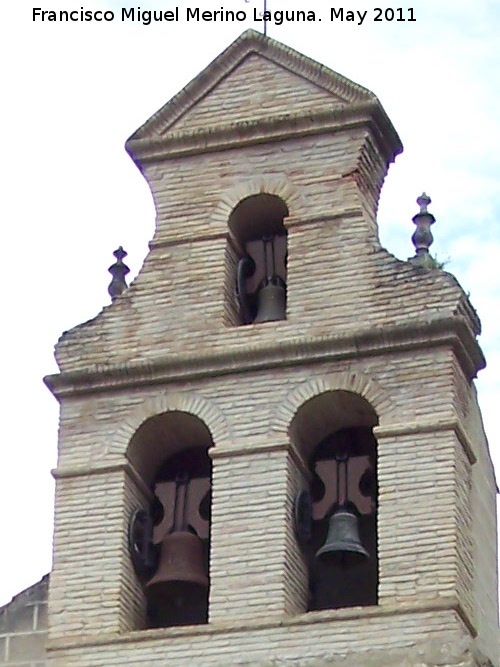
(118,270)
(422,237)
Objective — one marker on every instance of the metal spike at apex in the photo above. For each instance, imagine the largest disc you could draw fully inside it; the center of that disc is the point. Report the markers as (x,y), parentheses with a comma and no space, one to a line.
(263,14)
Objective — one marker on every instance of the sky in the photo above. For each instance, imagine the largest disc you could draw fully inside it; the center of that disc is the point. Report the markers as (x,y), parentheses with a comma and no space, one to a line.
(72,93)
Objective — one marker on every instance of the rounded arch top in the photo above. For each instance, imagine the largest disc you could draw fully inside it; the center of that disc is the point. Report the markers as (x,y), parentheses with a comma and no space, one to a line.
(334,401)
(211,424)
(278,187)
(161,437)
(258,215)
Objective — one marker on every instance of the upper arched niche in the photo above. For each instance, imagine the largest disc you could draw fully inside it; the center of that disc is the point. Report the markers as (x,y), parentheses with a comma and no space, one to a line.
(163,435)
(256,259)
(257,215)
(327,413)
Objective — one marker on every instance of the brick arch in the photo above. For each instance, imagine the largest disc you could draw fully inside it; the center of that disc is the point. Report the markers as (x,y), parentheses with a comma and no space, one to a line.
(355,382)
(259,185)
(190,402)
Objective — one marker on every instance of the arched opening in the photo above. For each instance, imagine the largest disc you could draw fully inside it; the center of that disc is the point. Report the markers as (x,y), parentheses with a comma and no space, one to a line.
(170,453)
(256,259)
(334,431)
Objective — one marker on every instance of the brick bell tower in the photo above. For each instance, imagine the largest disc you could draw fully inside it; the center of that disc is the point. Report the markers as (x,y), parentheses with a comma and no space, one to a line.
(271,451)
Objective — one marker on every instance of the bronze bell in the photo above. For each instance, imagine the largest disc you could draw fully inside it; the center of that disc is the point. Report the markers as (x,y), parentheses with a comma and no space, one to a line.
(271,301)
(342,545)
(181,572)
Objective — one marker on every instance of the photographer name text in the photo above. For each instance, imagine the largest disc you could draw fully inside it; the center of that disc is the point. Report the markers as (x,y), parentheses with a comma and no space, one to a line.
(196,15)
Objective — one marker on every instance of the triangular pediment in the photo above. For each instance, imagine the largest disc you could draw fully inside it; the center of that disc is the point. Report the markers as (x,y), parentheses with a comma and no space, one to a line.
(255,78)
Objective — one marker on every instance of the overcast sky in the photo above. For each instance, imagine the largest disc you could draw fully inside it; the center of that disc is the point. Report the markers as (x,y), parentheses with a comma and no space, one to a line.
(72,93)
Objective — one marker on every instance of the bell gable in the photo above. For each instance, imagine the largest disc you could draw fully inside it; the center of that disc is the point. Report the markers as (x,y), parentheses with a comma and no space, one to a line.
(254,79)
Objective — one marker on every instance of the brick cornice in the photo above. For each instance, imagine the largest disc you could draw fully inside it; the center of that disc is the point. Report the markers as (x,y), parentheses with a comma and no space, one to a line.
(452,332)
(223,137)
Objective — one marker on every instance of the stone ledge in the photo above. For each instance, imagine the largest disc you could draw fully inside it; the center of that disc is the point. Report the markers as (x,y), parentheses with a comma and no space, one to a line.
(393,430)
(281,128)
(309,619)
(86,471)
(432,653)
(435,332)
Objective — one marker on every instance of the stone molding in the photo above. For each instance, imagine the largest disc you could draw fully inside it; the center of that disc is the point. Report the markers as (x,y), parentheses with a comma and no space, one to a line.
(263,448)
(224,137)
(86,471)
(228,628)
(433,653)
(438,331)
(430,426)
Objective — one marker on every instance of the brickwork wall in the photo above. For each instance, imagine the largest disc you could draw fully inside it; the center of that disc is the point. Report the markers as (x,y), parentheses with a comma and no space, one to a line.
(463,514)
(484,531)
(132,603)
(258,86)
(96,429)
(248,535)
(417,506)
(296,577)
(339,280)
(477,520)
(23,628)
(85,590)
(416,473)
(435,504)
